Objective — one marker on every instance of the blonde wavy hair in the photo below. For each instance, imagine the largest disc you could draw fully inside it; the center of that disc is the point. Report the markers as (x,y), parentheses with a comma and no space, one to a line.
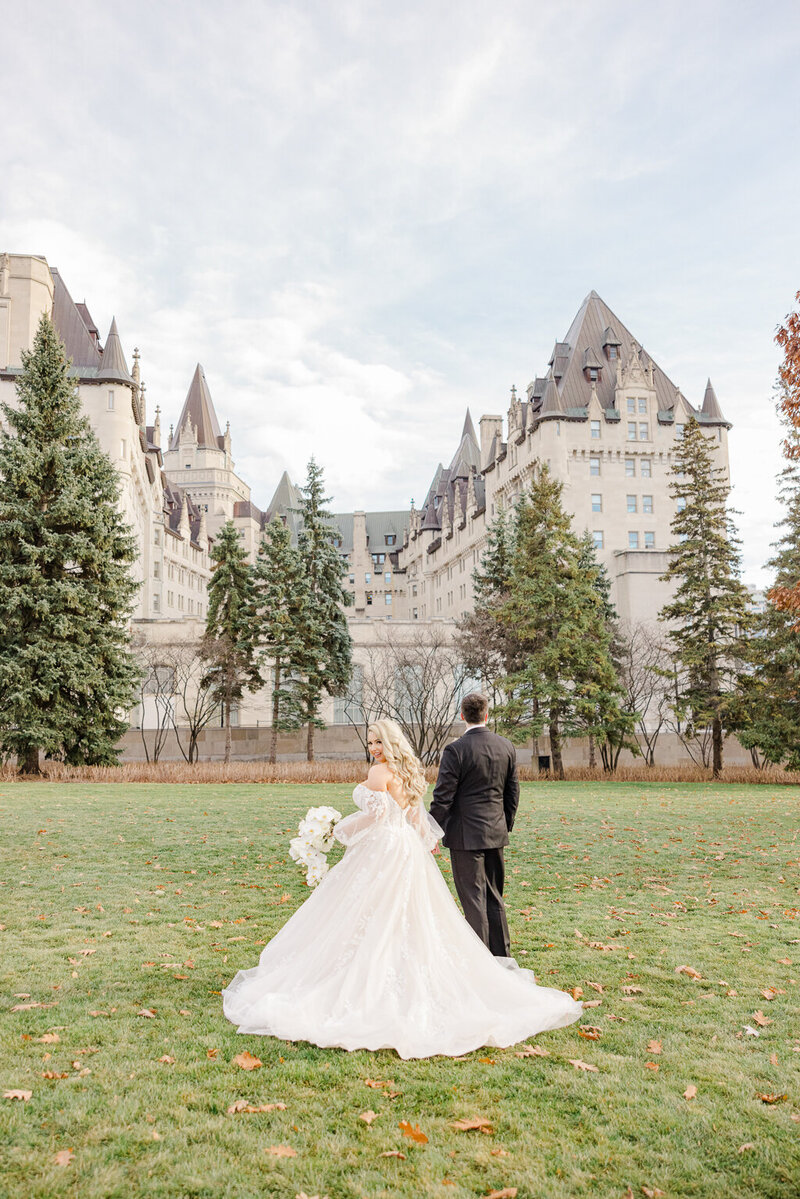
(400,758)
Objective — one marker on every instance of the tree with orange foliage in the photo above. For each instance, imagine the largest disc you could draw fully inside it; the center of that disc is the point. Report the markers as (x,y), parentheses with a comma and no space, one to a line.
(786,595)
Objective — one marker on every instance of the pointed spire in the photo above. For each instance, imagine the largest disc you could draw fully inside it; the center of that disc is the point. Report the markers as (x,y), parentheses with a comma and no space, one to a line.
(113,367)
(184,528)
(469,428)
(202,531)
(157,428)
(551,401)
(198,407)
(711,409)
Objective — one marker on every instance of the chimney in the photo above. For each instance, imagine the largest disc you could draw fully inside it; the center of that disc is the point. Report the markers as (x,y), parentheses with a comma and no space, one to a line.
(491,427)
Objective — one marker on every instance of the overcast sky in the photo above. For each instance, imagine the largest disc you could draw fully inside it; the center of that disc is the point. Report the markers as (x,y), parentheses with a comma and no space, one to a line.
(364,217)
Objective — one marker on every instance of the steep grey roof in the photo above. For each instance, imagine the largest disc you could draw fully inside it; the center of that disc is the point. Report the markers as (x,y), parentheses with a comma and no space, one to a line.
(378,526)
(72,328)
(113,367)
(551,401)
(432,519)
(285,503)
(245,508)
(711,409)
(199,407)
(468,453)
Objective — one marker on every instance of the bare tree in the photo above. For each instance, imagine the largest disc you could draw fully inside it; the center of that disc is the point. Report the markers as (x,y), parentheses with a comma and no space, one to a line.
(362,707)
(645,669)
(195,705)
(156,690)
(419,683)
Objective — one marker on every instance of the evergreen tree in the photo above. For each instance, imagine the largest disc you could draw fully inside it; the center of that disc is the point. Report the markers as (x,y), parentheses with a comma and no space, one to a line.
(567,683)
(327,647)
(768,709)
(281,597)
(709,612)
(67,675)
(229,645)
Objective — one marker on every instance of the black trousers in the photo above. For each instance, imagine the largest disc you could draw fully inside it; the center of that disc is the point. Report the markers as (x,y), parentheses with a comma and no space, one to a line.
(479,875)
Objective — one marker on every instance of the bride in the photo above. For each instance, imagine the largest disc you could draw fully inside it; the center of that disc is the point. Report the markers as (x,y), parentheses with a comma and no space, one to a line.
(379,956)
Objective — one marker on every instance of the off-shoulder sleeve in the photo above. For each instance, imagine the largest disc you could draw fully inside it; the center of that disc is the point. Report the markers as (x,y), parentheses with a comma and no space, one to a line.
(373,811)
(426,826)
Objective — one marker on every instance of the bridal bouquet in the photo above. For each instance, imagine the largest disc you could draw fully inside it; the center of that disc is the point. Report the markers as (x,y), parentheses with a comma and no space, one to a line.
(314,838)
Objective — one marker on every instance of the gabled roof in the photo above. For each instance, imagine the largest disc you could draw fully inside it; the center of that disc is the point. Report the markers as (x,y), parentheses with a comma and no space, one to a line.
(199,408)
(468,453)
(113,367)
(69,320)
(285,503)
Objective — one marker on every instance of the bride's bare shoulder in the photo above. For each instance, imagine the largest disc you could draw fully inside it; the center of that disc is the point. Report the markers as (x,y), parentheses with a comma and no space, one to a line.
(379,775)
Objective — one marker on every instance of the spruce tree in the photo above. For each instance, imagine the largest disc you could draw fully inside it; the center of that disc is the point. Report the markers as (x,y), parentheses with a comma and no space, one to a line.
(67,676)
(327,647)
(229,645)
(709,612)
(567,683)
(281,596)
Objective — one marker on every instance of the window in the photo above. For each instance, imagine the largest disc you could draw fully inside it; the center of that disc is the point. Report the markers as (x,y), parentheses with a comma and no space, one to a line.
(188,466)
(156,537)
(388,576)
(647,503)
(612,353)
(631,503)
(156,603)
(367,577)
(631,404)
(415,614)
(170,599)
(391,539)
(649,541)
(595,428)
(369,597)
(387,599)
(597,538)
(597,503)
(642,406)
(378,559)
(679,432)
(558,434)
(631,430)
(633,541)
(594,374)
(644,431)
(110,401)
(594,466)
(156,570)
(646,468)
(630,468)
(352,579)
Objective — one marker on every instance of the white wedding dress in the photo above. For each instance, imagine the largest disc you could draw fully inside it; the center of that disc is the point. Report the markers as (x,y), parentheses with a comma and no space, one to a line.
(380,957)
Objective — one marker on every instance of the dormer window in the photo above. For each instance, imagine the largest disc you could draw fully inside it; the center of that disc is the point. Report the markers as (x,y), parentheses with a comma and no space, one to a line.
(611,352)
(592,365)
(611,344)
(594,374)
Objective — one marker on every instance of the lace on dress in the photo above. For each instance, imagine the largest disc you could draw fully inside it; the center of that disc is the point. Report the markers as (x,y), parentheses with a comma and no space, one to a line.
(378,807)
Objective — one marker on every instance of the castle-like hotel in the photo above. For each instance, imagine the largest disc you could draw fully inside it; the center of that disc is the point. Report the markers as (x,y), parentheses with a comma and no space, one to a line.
(602,414)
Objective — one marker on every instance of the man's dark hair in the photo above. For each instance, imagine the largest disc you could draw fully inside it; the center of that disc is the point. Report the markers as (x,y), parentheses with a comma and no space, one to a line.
(474,707)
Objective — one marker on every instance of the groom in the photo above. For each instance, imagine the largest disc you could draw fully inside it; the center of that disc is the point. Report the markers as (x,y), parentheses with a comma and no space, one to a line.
(475,800)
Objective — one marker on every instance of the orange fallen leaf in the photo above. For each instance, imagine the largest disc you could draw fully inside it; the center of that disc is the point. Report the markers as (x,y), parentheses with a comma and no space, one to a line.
(281,1151)
(22,1095)
(532,1051)
(689,971)
(167,1060)
(579,1065)
(747,1145)
(147,1012)
(506,1193)
(651,1066)
(596,987)
(211,1054)
(770,993)
(243,1105)
(99,1013)
(631,990)
(486,1061)
(478,1123)
(654,1047)
(773,1057)
(247,1061)
(499,1152)
(63,1157)
(771,1098)
(55,1074)
(49,1038)
(761,1020)
(577,992)
(590,1031)
(690,1092)
(413,1132)
(592,1002)
(368,1116)
(652,1192)
(394,1153)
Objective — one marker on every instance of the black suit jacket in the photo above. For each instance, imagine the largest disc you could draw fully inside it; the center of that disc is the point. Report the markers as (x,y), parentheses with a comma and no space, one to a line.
(477,792)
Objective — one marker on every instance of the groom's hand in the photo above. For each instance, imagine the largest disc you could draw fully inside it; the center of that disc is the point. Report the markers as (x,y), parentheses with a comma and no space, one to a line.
(436,851)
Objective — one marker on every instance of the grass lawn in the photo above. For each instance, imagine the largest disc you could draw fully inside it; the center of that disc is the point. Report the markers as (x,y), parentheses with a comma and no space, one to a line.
(121,900)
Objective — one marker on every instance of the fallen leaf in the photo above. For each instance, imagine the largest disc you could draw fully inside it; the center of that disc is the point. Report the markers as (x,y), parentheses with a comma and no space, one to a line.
(590,1031)
(690,1092)
(99,1013)
(750,1032)
(596,987)
(652,1192)
(688,970)
(167,1060)
(211,1054)
(486,1061)
(577,992)
(745,1146)
(770,993)
(771,1098)
(761,1020)
(26,1007)
(773,1057)
(532,1051)
(55,1074)
(506,1193)
(579,1065)
(630,990)
(654,1047)
(651,1066)
(478,1123)
(23,1095)
(63,1157)
(147,1012)
(413,1132)
(499,1152)
(592,1002)
(243,1105)
(247,1061)
(49,1038)
(394,1153)
(281,1151)
(368,1116)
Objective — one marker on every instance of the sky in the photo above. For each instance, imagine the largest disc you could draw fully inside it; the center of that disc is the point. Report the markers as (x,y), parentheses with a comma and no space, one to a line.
(363,218)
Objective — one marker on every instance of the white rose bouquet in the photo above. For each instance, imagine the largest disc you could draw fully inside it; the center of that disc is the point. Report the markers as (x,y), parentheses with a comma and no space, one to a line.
(314,838)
